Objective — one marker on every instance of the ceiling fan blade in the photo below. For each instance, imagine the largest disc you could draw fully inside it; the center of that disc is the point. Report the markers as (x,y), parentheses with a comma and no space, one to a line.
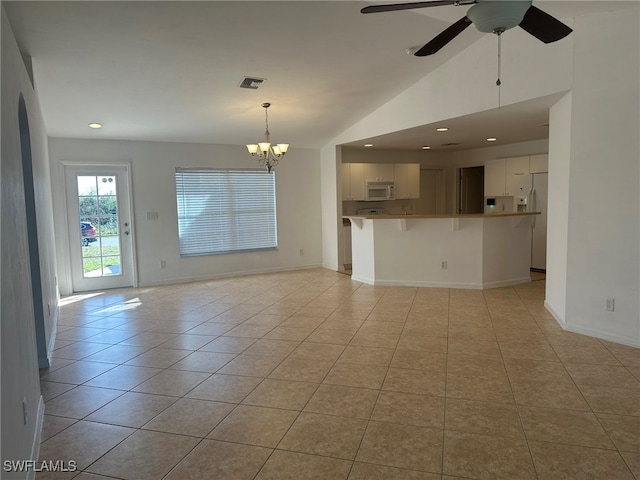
(444,37)
(408,6)
(543,26)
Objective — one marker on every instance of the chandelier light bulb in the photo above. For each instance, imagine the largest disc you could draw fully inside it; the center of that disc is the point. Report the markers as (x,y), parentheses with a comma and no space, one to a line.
(253,148)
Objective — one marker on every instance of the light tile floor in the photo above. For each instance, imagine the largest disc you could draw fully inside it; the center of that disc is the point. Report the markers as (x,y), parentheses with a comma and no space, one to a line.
(310,375)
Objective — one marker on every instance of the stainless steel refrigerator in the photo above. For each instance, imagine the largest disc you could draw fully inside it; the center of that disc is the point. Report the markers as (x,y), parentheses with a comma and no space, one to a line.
(531,196)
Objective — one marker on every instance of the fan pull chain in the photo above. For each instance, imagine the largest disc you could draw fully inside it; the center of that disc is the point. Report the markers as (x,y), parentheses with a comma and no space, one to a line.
(498,81)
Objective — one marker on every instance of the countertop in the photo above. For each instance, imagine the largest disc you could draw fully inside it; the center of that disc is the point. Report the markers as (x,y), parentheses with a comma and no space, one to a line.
(470,215)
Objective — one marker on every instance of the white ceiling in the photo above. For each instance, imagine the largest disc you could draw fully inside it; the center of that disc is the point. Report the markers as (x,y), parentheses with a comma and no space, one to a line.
(169,71)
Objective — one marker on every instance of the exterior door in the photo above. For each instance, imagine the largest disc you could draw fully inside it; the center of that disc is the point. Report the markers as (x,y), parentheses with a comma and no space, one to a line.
(100,233)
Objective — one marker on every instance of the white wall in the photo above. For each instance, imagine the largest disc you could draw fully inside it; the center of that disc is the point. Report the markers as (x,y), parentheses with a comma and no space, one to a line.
(20,378)
(153,184)
(603,251)
(331,201)
(558,207)
(409,251)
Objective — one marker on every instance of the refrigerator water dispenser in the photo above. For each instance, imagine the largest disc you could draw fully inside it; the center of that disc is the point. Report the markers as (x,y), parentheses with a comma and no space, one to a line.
(521,204)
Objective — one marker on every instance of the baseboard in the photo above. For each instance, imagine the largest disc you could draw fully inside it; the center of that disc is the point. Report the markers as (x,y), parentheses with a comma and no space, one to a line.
(46,362)
(357,278)
(37,437)
(506,283)
(402,283)
(555,315)
(204,278)
(427,284)
(612,337)
(591,332)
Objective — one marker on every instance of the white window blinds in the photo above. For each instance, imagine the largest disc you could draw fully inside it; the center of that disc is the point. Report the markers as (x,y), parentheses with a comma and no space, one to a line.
(225,211)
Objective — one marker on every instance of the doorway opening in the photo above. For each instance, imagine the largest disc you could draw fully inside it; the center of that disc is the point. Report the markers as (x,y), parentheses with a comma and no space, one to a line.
(471,190)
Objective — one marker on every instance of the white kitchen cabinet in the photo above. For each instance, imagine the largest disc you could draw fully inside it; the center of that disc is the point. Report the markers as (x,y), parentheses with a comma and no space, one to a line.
(407,180)
(494,178)
(517,166)
(378,172)
(353,181)
(501,175)
(539,163)
(515,169)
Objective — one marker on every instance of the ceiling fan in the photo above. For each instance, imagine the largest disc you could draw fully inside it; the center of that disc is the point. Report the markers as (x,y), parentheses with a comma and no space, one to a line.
(491,16)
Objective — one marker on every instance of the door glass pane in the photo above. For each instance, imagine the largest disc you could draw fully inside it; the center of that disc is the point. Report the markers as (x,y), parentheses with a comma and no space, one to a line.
(97,198)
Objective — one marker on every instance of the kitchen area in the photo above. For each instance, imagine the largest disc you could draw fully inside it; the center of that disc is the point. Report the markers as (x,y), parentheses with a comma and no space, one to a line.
(392,236)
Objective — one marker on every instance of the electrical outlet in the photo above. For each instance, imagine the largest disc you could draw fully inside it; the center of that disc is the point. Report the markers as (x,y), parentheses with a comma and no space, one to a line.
(610,304)
(163,264)
(443,265)
(301,251)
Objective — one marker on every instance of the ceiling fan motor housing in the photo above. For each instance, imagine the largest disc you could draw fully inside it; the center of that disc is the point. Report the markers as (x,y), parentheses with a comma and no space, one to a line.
(496,16)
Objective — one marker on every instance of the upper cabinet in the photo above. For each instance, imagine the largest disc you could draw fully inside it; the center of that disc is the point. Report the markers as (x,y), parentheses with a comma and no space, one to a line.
(495,178)
(353,181)
(501,174)
(516,166)
(405,175)
(539,163)
(378,172)
(407,180)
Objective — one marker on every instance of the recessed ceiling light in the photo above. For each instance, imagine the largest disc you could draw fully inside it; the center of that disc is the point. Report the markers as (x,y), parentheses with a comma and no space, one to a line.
(426,147)
(491,139)
(95,125)
(442,129)
(368,144)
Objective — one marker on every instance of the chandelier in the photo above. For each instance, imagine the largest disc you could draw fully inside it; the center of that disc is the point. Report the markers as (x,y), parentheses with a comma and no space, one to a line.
(268,155)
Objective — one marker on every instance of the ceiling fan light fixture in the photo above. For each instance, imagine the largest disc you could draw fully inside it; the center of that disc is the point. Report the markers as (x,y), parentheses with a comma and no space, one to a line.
(497,16)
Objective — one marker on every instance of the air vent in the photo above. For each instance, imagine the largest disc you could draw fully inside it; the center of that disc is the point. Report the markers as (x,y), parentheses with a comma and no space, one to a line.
(450,144)
(252,83)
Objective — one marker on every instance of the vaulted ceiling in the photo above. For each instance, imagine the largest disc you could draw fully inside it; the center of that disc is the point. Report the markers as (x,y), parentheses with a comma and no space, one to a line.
(169,71)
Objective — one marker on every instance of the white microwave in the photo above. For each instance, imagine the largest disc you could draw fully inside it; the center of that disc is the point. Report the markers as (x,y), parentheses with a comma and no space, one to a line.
(378,191)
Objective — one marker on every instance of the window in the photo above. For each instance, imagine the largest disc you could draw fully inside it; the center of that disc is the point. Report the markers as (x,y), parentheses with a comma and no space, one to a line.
(225,211)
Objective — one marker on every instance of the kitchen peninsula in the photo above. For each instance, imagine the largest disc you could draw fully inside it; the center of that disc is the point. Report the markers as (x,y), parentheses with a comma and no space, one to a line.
(476,251)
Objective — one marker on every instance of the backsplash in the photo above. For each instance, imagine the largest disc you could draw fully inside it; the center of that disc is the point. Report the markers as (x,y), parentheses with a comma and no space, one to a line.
(502,204)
